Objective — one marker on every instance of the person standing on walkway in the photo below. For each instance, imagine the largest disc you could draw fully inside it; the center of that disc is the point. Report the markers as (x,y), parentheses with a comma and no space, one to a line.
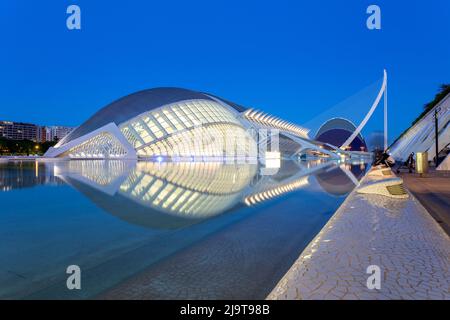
(410,162)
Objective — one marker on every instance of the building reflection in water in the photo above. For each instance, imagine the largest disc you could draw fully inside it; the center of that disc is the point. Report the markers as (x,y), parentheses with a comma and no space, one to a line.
(188,189)
(340,182)
(25,174)
(159,195)
(177,194)
(199,224)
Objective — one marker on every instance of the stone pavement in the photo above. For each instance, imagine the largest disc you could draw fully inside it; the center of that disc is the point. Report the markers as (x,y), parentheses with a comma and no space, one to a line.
(398,235)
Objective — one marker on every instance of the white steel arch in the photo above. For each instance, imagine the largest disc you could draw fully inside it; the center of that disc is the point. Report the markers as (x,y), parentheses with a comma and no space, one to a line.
(369,114)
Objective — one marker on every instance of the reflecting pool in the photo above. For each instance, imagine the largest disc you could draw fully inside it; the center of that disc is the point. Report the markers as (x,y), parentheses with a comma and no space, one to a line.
(169,230)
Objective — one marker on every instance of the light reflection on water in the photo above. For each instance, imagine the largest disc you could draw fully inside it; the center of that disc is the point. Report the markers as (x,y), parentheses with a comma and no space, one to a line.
(172,230)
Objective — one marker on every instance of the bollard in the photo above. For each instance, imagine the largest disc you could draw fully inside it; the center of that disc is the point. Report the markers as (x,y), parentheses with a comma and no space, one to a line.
(422,162)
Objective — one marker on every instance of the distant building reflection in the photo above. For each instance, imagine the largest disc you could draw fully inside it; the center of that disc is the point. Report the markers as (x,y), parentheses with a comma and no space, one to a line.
(25,174)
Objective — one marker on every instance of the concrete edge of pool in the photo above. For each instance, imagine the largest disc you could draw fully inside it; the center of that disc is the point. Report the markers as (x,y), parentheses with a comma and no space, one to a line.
(397,235)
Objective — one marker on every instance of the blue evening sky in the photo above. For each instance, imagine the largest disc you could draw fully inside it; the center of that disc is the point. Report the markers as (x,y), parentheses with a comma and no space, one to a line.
(290,58)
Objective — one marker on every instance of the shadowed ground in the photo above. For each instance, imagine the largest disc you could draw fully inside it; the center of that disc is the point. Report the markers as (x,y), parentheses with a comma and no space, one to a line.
(433,192)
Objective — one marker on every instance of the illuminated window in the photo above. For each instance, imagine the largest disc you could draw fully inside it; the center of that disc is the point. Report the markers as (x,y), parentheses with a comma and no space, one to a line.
(164,125)
(103,145)
(168,128)
(173,120)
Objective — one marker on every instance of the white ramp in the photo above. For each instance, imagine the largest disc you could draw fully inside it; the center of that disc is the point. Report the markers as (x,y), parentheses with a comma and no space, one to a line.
(445,165)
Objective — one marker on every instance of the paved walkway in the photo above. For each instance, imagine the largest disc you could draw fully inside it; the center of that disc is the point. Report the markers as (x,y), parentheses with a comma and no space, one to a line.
(400,236)
(433,192)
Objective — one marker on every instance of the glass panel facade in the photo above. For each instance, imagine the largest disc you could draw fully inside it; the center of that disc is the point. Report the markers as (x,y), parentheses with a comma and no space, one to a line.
(199,128)
(103,145)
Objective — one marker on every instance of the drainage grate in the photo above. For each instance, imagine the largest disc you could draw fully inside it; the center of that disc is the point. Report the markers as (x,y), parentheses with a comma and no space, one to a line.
(396,190)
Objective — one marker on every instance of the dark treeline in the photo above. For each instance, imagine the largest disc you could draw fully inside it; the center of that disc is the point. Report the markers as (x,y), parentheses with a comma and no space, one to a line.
(24,147)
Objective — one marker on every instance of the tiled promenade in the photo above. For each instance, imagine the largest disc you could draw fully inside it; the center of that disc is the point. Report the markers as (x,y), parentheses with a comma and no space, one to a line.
(398,235)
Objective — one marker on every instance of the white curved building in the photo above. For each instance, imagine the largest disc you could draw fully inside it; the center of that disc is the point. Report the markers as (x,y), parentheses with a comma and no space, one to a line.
(161,122)
(178,123)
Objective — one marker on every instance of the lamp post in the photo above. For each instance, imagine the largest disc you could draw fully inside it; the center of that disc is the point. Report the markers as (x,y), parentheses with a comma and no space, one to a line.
(436,132)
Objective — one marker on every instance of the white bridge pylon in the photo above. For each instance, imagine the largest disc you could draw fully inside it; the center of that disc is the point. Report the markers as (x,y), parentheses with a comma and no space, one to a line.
(382,91)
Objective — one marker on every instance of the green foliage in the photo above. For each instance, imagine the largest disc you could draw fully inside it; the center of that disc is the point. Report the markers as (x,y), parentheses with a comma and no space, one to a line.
(23,147)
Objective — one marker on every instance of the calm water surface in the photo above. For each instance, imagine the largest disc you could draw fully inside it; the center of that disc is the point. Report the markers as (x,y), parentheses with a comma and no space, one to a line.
(160,230)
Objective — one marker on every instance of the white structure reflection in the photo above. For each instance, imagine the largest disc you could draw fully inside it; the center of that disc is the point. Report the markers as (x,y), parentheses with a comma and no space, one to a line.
(176,194)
